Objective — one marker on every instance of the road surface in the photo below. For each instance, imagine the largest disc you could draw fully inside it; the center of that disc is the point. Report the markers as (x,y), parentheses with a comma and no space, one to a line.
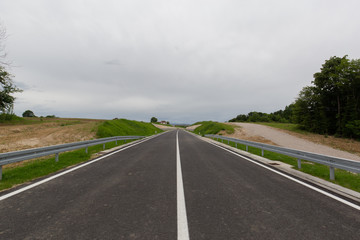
(139,193)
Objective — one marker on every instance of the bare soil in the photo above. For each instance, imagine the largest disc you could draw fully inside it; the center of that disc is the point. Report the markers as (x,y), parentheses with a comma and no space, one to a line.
(45,133)
(337,147)
(192,128)
(164,127)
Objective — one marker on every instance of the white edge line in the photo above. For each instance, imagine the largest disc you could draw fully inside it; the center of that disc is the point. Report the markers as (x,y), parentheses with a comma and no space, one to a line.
(291,178)
(70,170)
(182,224)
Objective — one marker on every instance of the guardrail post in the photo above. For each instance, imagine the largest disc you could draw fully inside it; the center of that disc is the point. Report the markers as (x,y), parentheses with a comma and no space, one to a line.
(104,146)
(57,157)
(299,163)
(236,145)
(86,150)
(247,149)
(228,142)
(116,142)
(332,173)
(262,152)
(0,173)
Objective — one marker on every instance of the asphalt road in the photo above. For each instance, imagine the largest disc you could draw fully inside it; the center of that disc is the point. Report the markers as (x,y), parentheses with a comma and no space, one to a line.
(133,194)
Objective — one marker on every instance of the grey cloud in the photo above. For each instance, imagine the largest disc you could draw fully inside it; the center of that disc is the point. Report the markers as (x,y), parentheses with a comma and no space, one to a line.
(182,61)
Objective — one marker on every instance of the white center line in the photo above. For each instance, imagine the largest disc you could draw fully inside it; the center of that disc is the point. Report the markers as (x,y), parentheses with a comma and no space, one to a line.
(182,224)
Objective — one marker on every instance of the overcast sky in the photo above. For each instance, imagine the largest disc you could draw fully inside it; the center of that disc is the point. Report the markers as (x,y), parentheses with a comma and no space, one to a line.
(178,60)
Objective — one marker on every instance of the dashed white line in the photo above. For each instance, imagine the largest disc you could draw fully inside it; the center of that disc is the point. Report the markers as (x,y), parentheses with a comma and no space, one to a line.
(182,223)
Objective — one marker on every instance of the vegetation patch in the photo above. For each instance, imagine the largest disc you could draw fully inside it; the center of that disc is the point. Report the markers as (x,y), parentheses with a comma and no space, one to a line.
(124,127)
(11,119)
(210,127)
(329,106)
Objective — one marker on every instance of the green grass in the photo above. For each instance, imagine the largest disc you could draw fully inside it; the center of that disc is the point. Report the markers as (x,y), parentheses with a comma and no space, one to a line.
(342,177)
(41,167)
(124,127)
(210,127)
(11,119)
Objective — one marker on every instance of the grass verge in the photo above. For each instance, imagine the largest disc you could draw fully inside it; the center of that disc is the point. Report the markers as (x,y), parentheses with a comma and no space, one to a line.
(342,177)
(210,127)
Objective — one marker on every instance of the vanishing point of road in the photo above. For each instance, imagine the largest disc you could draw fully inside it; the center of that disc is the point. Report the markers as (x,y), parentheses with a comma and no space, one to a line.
(173,186)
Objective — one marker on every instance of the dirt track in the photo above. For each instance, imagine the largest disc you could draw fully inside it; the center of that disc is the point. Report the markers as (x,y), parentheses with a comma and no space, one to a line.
(311,143)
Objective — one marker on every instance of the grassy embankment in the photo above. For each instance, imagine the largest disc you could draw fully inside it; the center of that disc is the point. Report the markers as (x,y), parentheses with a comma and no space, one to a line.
(29,170)
(210,127)
(342,177)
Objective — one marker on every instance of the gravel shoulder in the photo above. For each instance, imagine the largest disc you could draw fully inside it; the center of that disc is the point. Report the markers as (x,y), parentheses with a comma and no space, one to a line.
(269,135)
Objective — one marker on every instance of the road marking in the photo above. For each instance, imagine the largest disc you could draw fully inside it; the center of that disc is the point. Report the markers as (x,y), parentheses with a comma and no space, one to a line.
(70,170)
(293,179)
(182,224)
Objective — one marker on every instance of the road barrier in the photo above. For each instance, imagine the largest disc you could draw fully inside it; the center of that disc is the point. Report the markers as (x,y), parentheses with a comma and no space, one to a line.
(18,156)
(331,162)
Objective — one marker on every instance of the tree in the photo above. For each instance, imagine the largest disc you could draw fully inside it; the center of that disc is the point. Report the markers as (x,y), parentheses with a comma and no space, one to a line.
(28,113)
(331,105)
(7,87)
(153,120)
(309,112)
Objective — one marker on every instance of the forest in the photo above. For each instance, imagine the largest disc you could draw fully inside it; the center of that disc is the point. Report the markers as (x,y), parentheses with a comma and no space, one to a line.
(330,105)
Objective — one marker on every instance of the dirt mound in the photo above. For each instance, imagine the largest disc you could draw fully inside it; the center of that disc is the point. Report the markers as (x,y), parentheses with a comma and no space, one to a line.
(192,128)
(46,133)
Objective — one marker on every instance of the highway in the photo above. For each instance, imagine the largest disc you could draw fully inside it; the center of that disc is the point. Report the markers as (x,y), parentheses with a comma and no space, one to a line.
(173,186)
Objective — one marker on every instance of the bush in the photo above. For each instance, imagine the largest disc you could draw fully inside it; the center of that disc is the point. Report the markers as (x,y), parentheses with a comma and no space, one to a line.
(353,128)
(9,118)
(28,113)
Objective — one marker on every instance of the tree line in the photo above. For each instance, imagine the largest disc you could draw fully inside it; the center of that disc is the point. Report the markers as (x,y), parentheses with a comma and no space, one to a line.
(329,106)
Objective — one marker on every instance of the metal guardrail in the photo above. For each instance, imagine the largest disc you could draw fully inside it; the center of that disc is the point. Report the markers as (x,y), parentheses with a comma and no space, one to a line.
(18,156)
(332,162)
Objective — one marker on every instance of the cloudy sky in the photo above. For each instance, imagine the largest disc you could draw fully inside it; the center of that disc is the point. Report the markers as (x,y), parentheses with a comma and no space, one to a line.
(178,60)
